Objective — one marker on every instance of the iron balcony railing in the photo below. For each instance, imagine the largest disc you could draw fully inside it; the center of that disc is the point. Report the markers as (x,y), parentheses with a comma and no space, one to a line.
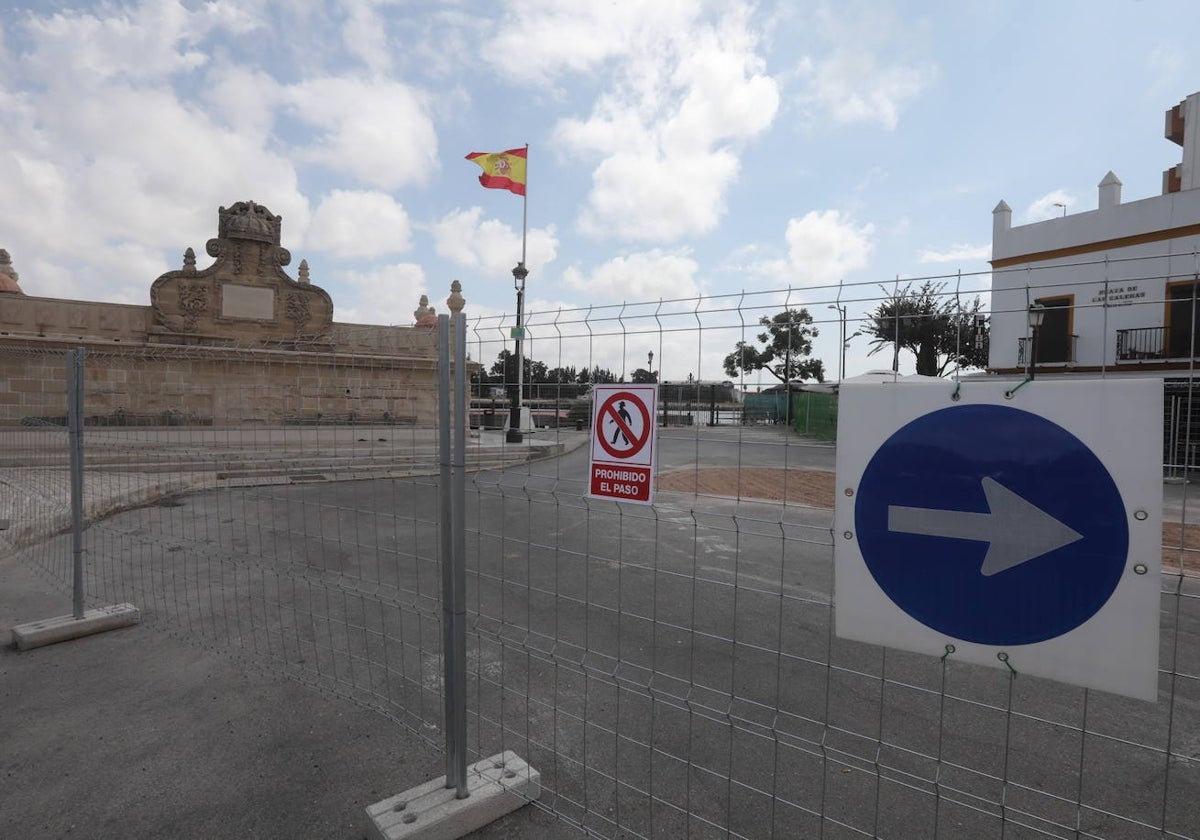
(1052,351)
(1156,343)
(1142,343)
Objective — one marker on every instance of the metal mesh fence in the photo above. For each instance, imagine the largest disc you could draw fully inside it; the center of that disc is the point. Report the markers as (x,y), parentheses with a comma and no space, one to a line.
(224,506)
(671,670)
(35,498)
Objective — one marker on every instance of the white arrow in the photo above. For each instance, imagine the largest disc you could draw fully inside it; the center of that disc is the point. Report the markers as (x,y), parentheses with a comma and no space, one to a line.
(1016,530)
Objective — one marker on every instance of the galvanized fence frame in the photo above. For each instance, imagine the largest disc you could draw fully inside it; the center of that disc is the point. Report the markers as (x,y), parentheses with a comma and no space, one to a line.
(230,529)
(672,670)
(572,669)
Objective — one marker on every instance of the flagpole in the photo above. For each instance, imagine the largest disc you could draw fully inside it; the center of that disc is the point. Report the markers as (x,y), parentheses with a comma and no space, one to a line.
(525,205)
(519,274)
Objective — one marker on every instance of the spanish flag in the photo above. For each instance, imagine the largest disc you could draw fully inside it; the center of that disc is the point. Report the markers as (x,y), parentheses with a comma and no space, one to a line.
(502,170)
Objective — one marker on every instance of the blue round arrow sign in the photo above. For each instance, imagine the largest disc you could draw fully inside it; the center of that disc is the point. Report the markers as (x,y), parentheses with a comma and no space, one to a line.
(991,525)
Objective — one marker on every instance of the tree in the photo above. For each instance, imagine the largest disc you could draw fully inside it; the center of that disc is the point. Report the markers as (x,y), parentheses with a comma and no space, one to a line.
(787,343)
(932,326)
(504,369)
(596,375)
(562,374)
(641,376)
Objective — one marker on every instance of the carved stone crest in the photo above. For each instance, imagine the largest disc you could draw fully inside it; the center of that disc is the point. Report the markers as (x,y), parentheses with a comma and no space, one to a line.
(193,302)
(244,297)
(296,309)
(248,220)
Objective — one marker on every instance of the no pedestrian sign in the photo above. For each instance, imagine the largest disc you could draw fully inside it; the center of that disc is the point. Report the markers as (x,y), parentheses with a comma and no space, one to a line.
(622,455)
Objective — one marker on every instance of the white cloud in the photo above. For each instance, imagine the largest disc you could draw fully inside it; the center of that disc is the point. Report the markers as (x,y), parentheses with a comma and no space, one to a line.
(956,254)
(131,182)
(850,87)
(864,77)
(577,38)
(243,99)
(359,224)
(138,264)
(1049,206)
(379,133)
(135,180)
(365,36)
(236,16)
(824,246)
(656,197)
(490,246)
(136,44)
(684,94)
(385,295)
(33,181)
(105,149)
(134,263)
(645,276)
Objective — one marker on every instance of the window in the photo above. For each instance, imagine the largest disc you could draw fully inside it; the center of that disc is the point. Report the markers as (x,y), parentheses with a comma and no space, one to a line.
(1183,312)
(1054,338)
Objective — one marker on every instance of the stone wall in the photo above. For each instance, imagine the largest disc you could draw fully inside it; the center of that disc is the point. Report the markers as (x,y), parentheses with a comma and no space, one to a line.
(239,341)
(140,385)
(22,315)
(26,316)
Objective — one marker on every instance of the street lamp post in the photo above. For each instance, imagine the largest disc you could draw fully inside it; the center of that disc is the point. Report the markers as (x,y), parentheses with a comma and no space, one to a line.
(514,418)
(1037,314)
(650,365)
(842,353)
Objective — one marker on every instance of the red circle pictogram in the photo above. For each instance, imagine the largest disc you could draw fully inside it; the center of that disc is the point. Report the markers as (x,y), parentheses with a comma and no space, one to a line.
(623,430)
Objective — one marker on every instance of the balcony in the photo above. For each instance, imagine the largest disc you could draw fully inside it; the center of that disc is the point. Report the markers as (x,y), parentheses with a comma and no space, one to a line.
(1056,350)
(1142,344)
(1155,344)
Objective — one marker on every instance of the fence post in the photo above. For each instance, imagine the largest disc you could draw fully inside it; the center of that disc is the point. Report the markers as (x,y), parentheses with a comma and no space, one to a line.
(457,686)
(452,523)
(81,622)
(75,361)
(1172,450)
(485,795)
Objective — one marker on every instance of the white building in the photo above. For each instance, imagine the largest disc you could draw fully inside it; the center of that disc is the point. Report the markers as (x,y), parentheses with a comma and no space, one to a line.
(1119,283)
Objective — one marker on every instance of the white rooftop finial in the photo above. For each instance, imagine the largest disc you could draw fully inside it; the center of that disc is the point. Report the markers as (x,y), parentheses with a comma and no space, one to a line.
(1110,191)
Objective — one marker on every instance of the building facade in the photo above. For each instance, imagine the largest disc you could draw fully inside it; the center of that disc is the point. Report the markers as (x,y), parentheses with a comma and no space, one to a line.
(1117,285)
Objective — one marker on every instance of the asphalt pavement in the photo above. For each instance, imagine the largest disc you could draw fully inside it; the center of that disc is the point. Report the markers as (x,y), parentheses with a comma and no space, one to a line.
(145,733)
(653,663)
(153,731)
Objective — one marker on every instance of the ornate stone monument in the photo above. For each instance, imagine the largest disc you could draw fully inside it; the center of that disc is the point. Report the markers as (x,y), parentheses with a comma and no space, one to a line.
(244,297)
(424,315)
(187,357)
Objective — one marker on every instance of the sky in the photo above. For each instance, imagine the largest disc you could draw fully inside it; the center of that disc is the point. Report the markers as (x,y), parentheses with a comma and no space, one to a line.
(692,165)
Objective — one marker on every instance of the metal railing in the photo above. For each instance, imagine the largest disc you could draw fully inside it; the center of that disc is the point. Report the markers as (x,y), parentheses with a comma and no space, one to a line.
(1053,354)
(1143,343)
(1156,344)
(671,670)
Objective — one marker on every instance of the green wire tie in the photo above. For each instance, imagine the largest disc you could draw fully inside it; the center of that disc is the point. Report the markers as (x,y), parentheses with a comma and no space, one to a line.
(949,650)
(1002,656)
(1008,394)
